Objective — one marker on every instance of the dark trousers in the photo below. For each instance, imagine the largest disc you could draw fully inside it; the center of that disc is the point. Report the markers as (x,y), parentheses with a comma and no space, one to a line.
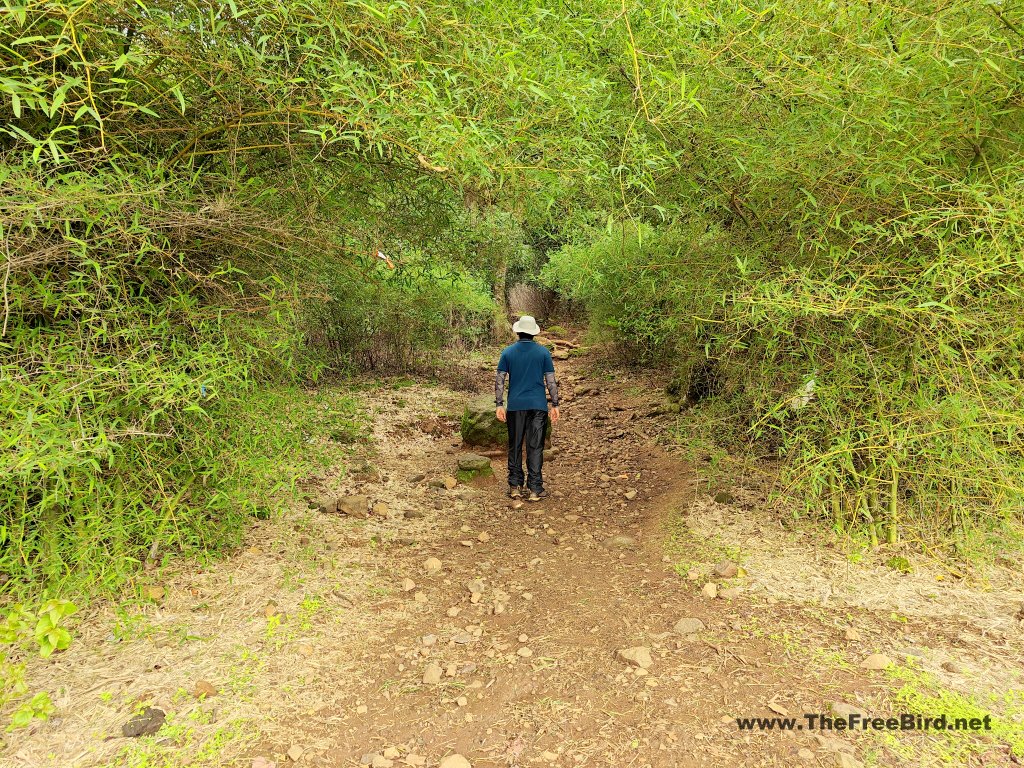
(528,427)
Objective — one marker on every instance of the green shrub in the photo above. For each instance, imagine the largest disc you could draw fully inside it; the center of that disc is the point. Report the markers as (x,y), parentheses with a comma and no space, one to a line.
(856,241)
(185,203)
(893,397)
(916,410)
(43,630)
(648,288)
(395,319)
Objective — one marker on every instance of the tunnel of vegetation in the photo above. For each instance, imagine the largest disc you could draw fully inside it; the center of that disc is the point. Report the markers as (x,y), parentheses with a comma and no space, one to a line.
(810,210)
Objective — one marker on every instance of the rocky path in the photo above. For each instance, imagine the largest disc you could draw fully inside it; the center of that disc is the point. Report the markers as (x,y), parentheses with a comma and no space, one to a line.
(425,622)
(561,633)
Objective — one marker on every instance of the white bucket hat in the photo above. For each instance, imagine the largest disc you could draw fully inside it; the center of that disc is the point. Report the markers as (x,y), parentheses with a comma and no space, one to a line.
(526,324)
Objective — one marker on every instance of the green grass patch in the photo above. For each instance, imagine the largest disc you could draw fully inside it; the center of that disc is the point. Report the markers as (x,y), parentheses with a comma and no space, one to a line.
(920,693)
(187,741)
(689,551)
(468,475)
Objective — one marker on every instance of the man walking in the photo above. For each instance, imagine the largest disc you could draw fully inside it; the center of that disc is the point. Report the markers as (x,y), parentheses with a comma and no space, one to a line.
(528,367)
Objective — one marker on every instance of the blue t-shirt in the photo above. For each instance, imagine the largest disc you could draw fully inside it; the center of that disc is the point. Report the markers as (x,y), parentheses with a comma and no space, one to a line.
(526,362)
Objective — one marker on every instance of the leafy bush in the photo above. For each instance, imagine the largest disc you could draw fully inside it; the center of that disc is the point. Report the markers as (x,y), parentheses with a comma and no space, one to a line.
(393,320)
(914,382)
(391,325)
(179,190)
(858,171)
(874,388)
(116,369)
(45,630)
(650,288)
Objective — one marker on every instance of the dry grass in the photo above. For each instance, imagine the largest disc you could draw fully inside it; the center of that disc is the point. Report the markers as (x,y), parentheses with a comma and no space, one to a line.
(970,622)
(794,565)
(261,627)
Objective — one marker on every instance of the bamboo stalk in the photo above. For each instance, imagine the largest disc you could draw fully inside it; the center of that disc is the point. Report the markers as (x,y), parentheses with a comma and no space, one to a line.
(865,505)
(835,504)
(892,531)
(873,511)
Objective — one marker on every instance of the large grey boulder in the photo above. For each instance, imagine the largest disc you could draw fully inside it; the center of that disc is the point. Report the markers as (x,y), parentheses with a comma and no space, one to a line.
(480,426)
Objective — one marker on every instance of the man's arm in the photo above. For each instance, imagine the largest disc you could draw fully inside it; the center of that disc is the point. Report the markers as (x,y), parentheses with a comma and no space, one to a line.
(499,387)
(552,385)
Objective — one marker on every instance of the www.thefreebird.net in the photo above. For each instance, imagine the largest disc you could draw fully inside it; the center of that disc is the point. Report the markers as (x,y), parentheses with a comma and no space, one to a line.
(812,721)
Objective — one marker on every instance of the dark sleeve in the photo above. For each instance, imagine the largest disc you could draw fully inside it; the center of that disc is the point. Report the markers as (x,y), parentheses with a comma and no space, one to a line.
(503,363)
(499,387)
(549,380)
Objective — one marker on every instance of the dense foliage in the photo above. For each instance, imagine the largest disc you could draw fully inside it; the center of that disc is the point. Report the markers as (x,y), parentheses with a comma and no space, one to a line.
(192,206)
(194,196)
(849,198)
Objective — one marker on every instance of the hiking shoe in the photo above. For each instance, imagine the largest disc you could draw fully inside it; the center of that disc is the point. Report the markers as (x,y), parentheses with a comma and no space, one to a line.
(537,495)
(515,492)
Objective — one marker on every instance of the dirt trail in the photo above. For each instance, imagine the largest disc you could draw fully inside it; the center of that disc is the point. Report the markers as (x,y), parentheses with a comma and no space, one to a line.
(318,646)
(575,578)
